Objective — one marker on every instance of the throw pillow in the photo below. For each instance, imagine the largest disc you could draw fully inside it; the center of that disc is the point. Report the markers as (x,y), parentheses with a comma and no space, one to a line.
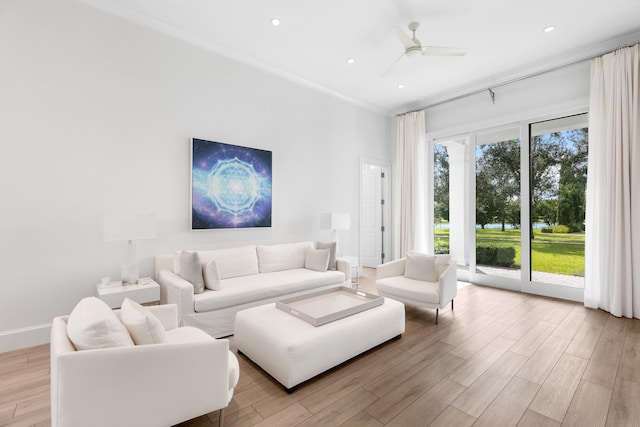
(421,267)
(191,270)
(92,324)
(317,259)
(442,261)
(212,276)
(332,254)
(233,262)
(284,256)
(144,327)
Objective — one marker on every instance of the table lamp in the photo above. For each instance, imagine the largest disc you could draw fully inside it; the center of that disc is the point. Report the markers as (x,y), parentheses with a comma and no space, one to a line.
(129,228)
(335,221)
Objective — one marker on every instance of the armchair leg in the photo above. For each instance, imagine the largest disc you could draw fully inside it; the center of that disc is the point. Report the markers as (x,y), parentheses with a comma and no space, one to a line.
(451,305)
(221,417)
(437,316)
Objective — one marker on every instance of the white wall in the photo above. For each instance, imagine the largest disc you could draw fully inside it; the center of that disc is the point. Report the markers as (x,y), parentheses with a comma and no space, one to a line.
(97,114)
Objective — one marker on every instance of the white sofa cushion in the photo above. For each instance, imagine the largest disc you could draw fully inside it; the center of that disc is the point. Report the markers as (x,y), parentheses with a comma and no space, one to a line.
(317,259)
(409,289)
(421,267)
(212,276)
(287,256)
(144,327)
(332,254)
(191,270)
(241,290)
(92,324)
(442,261)
(233,262)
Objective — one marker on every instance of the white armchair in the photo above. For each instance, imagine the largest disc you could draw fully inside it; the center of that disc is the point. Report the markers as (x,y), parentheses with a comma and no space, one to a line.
(428,281)
(151,385)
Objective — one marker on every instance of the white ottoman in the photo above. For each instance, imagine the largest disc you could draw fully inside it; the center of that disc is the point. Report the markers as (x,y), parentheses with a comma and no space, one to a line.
(292,351)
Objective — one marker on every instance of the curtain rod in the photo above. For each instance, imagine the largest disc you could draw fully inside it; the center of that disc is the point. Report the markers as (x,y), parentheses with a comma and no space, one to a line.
(508,82)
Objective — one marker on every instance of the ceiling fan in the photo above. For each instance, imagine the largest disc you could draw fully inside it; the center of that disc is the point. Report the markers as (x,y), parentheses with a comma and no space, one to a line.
(413,47)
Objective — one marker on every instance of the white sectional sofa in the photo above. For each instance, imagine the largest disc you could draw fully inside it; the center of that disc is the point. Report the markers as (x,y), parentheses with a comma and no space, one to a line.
(249,276)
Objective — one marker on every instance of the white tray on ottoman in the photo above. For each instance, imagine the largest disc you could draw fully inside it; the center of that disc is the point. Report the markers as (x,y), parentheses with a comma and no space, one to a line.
(293,351)
(329,305)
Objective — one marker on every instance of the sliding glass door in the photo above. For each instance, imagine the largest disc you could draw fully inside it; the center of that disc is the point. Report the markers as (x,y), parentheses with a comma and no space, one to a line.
(497,210)
(558,179)
(509,205)
(441,222)
(450,195)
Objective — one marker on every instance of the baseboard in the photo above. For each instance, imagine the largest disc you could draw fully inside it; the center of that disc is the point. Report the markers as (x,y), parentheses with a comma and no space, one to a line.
(24,337)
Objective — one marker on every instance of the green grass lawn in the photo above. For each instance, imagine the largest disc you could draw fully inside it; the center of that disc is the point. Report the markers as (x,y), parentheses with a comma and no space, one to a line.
(550,252)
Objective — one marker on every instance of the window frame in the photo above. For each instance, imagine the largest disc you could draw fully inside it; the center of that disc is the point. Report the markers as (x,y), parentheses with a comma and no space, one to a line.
(467,272)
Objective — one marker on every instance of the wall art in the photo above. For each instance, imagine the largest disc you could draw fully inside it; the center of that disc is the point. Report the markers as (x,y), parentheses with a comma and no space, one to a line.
(230,186)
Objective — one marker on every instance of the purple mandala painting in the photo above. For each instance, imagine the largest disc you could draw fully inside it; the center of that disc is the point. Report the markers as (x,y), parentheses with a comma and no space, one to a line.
(230,186)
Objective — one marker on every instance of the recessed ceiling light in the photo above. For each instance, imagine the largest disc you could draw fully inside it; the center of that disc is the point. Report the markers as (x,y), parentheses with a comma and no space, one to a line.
(350,61)
(275,21)
(549,28)
(400,86)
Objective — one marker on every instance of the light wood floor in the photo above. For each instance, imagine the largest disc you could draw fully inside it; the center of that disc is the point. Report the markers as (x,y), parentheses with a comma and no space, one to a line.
(501,358)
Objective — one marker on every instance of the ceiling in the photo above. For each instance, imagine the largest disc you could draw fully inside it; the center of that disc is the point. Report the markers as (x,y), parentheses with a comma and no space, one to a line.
(504,39)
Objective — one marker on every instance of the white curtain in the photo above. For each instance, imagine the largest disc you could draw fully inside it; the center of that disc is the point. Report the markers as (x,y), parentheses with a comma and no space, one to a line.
(612,246)
(409,212)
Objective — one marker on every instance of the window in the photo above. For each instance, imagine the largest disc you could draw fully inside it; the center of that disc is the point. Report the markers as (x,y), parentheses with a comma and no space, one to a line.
(441,199)
(498,203)
(512,214)
(558,178)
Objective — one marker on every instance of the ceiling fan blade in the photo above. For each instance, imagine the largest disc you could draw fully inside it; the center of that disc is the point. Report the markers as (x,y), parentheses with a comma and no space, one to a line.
(403,37)
(394,65)
(443,51)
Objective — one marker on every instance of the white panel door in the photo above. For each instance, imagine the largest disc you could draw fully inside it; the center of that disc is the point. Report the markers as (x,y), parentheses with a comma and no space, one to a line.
(371,216)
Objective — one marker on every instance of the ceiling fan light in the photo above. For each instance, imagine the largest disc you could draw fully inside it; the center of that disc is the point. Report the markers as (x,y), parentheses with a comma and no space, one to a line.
(414,51)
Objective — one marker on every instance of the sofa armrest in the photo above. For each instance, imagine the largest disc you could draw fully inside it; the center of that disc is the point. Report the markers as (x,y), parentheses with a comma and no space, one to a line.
(390,269)
(139,381)
(164,262)
(175,290)
(344,265)
(448,283)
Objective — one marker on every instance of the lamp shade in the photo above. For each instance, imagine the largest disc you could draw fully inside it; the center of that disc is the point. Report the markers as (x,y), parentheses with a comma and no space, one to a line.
(129,227)
(335,221)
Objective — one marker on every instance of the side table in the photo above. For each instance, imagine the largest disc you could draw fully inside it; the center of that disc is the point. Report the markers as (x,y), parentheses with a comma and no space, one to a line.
(355,279)
(146,291)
